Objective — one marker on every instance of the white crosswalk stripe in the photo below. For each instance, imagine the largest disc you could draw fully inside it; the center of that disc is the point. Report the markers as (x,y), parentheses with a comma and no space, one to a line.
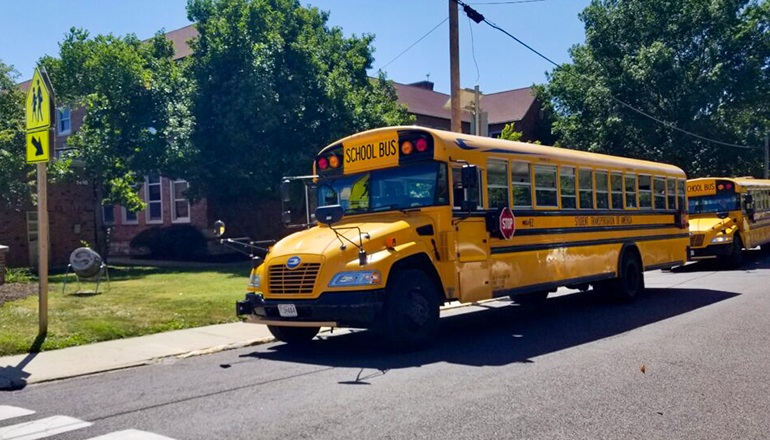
(10,412)
(42,428)
(131,434)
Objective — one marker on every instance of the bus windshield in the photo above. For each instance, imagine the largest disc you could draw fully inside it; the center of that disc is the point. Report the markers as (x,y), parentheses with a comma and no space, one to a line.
(410,186)
(715,203)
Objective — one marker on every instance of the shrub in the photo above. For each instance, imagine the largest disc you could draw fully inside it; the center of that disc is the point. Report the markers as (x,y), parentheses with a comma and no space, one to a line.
(19,275)
(177,242)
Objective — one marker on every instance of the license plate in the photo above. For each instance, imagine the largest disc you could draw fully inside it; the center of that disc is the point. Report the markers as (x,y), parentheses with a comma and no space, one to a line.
(287,310)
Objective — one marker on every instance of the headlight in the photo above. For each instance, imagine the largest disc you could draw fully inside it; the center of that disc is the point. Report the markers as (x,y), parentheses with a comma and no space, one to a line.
(255,280)
(722,239)
(358,278)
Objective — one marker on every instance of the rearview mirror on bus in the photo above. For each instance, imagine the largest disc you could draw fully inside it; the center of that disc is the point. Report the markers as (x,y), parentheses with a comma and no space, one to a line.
(329,214)
(470,182)
(285,195)
(219,228)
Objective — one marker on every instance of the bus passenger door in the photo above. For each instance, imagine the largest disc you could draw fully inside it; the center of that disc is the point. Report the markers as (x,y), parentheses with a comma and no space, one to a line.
(472,240)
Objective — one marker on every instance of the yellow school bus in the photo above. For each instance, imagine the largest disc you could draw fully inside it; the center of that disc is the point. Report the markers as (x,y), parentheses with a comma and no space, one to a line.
(728,215)
(410,218)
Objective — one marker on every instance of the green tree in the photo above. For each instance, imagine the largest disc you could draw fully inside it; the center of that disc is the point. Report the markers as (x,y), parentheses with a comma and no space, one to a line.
(699,65)
(273,85)
(135,98)
(14,187)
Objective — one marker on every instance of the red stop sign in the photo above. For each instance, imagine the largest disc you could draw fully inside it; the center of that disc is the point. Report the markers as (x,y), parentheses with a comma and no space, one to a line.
(507,223)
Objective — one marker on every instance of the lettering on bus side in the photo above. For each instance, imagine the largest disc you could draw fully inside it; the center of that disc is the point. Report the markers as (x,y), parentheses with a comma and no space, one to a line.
(604,220)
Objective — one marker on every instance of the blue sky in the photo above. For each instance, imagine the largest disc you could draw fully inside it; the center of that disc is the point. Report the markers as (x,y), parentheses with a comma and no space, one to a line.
(29,30)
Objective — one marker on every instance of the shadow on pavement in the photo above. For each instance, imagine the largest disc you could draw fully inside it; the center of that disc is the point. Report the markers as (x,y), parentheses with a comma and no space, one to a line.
(752,260)
(14,378)
(504,335)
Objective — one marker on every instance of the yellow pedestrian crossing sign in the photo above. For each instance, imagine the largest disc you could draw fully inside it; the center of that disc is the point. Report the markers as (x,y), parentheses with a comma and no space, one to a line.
(40,105)
(38,146)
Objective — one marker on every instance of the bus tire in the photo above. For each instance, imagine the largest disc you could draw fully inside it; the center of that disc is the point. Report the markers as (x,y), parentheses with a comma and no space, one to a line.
(531,298)
(735,259)
(293,335)
(411,314)
(630,283)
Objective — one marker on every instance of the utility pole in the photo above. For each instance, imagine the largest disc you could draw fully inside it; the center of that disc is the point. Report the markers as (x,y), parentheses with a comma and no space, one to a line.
(477,110)
(454,67)
(767,157)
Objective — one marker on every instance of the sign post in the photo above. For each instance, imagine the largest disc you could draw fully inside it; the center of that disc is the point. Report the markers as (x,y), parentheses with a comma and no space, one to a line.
(40,120)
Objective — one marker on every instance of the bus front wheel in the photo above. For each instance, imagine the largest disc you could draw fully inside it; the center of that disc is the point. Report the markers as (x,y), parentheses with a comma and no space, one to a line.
(411,318)
(293,335)
(735,258)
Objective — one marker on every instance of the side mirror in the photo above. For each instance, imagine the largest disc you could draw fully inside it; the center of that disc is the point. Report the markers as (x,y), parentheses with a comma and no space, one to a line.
(470,183)
(286,218)
(722,215)
(329,214)
(285,195)
(219,228)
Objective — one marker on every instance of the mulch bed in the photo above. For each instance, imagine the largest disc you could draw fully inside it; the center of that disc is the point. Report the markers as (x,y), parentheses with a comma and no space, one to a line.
(13,291)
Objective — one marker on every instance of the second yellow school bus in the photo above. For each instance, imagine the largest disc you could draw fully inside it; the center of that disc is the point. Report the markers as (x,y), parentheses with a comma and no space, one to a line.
(410,218)
(728,215)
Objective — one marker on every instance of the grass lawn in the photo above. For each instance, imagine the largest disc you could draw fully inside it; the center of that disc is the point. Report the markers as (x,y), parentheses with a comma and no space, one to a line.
(142,300)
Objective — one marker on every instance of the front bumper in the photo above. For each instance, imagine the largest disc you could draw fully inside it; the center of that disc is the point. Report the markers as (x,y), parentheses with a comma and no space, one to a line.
(713,250)
(345,309)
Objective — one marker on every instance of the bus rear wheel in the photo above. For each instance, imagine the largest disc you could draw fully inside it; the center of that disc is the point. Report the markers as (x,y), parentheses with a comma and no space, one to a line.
(293,335)
(630,282)
(411,315)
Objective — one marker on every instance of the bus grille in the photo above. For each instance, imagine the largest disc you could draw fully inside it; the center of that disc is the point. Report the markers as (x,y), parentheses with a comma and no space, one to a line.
(697,240)
(285,281)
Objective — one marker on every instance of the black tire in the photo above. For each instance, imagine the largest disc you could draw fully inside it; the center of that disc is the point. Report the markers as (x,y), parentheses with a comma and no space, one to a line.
(411,315)
(630,284)
(734,259)
(293,335)
(532,298)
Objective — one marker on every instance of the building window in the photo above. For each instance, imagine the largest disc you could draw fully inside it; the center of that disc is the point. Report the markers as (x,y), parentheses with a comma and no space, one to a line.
(522,185)
(645,191)
(616,187)
(64,121)
(630,191)
(130,217)
(497,183)
(602,190)
(154,199)
(108,214)
(180,206)
(671,187)
(545,186)
(660,192)
(568,188)
(586,189)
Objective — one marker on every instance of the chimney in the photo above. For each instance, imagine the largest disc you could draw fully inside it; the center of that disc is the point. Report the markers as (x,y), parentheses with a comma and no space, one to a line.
(427,85)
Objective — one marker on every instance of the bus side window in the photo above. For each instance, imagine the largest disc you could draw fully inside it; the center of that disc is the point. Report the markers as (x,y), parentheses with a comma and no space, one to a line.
(546,194)
(660,192)
(671,190)
(568,188)
(602,190)
(616,186)
(458,192)
(630,191)
(645,191)
(680,193)
(497,183)
(521,177)
(586,188)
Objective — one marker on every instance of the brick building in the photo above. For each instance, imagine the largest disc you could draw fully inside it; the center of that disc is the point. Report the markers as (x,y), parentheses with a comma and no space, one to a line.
(74,208)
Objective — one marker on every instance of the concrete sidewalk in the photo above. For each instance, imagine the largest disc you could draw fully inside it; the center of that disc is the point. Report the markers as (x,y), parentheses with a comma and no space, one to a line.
(19,370)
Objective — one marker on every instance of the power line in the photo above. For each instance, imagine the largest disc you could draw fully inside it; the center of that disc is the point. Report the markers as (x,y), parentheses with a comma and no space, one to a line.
(414,44)
(473,52)
(479,18)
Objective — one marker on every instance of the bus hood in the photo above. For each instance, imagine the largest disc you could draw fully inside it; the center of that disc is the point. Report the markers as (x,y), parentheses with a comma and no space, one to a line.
(706,224)
(321,240)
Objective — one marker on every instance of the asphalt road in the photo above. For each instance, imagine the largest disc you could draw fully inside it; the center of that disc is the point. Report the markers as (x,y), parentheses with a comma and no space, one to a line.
(570,369)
